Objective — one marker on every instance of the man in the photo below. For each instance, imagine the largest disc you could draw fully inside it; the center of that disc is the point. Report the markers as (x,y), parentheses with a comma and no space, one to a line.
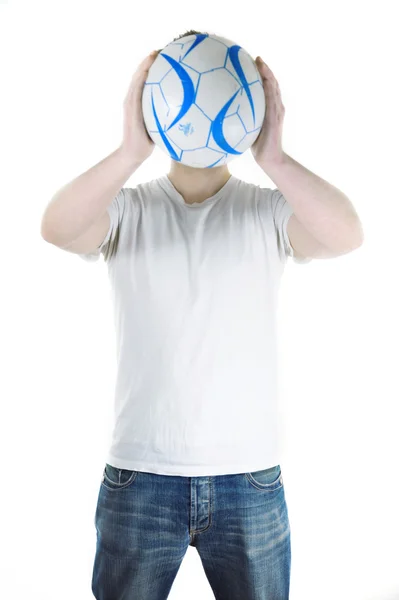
(195,259)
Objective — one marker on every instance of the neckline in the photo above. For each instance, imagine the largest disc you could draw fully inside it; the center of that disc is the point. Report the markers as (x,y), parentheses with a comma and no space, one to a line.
(169,187)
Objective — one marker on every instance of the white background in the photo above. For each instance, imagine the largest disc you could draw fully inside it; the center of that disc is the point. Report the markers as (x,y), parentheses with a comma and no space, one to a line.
(65,70)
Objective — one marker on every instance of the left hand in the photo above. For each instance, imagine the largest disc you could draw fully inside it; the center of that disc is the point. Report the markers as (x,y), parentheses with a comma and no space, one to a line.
(268,145)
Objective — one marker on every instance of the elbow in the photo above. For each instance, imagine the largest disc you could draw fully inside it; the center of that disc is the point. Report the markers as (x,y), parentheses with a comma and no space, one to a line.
(355,237)
(358,236)
(45,234)
(45,231)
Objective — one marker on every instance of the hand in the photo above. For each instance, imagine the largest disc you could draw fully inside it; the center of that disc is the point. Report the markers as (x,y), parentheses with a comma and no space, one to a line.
(267,147)
(136,142)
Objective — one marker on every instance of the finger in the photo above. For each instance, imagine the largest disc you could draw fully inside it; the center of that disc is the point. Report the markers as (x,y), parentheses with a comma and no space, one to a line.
(263,64)
(265,71)
(140,75)
(147,62)
(145,65)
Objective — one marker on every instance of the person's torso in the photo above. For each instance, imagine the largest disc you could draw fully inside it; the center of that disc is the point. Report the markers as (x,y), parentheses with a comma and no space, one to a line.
(194,290)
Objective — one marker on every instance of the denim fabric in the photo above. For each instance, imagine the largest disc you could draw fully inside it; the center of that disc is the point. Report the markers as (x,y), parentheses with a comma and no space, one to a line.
(238,524)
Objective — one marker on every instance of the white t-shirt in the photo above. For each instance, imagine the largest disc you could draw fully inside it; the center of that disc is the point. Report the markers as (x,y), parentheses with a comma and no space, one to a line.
(195,291)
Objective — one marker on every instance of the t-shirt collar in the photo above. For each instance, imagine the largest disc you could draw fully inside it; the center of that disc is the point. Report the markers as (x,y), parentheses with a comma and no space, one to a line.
(168,186)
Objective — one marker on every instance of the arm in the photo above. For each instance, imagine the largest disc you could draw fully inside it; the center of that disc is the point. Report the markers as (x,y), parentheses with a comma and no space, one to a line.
(77,206)
(324,223)
(78,210)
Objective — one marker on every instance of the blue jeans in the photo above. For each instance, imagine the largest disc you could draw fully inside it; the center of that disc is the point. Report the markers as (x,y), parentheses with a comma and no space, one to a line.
(238,524)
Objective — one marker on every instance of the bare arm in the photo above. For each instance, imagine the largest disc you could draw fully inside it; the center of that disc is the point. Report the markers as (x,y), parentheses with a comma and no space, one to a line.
(76,217)
(77,213)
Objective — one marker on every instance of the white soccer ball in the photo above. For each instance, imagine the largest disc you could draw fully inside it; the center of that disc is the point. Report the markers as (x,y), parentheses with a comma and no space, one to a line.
(203,101)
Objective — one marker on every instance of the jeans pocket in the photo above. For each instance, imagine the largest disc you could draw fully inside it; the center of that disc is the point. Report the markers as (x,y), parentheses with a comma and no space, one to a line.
(268,480)
(117,479)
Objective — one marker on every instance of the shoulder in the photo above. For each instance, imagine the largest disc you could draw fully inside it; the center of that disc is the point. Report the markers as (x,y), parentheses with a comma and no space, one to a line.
(253,189)
(262,198)
(146,189)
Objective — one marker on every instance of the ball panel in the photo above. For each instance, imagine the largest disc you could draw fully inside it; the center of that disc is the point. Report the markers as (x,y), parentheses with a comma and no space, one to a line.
(224,40)
(203,157)
(159,101)
(211,144)
(192,131)
(230,69)
(187,40)
(173,50)
(252,121)
(248,140)
(158,70)
(248,66)
(172,86)
(233,130)
(179,96)
(208,54)
(214,90)
(163,145)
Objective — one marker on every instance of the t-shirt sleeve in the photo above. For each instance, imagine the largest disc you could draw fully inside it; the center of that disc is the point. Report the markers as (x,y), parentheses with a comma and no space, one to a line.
(282,211)
(109,245)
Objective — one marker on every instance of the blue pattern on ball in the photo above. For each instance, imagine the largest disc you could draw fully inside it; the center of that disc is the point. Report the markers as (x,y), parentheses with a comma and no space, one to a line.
(233,53)
(188,88)
(219,145)
(217,128)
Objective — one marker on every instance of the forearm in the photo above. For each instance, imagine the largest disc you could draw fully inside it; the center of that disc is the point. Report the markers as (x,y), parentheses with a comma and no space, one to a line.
(321,208)
(81,202)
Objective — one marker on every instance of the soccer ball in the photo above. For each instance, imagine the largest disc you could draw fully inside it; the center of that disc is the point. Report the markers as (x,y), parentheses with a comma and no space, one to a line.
(203,101)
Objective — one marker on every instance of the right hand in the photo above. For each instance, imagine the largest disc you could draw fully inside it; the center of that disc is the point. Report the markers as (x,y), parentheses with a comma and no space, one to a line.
(136,142)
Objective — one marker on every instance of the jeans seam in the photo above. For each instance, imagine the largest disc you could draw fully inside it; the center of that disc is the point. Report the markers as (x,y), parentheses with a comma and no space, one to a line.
(118,486)
(267,487)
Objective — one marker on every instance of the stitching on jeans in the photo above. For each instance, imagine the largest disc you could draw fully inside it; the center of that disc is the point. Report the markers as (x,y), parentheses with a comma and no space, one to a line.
(195,531)
(268,487)
(118,486)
